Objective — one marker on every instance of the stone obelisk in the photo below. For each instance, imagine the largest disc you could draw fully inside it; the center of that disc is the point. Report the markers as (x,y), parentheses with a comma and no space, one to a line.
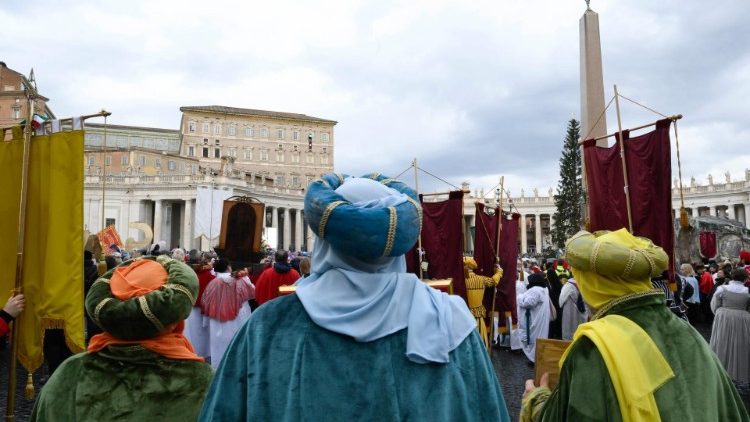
(592,79)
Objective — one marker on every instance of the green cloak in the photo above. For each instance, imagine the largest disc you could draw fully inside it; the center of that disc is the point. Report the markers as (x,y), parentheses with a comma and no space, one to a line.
(701,391)
(281,366)
(123,383)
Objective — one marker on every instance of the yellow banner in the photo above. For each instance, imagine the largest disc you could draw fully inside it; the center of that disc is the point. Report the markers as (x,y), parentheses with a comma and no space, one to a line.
(53,258)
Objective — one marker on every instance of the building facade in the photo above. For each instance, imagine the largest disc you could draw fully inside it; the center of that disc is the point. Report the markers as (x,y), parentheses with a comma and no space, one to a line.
(13,104)
(292,149)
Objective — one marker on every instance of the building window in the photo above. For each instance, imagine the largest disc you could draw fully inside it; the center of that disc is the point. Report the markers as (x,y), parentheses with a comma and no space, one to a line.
(279,133)
(16,112)
(141,160)
(158,163)
(205,141)
(191,151)
(264,155)
(191,127)
(280,156)
(217,142)
(217,152)
(324,159)
(124,160)
(324,137)
(205,152)
(248,154)
(264,132)
(109,222)
(91,160)
(233,152)
(217,128)
(295,181)
(310,159)
(295,157)
(325,150)
(248,132)
(295,135)
(172,165)
(206,127)
(108,160)
(279,181)
(232,130)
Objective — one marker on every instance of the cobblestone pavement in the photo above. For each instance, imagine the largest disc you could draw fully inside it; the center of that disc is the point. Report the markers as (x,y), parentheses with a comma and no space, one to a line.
(23,406)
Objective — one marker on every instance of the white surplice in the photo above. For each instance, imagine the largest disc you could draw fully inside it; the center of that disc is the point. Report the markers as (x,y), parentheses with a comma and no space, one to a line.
(533,318)
(221,333)
(571,317)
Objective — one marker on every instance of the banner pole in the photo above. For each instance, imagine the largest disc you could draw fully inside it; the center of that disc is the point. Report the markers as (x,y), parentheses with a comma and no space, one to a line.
(18,286)
(498,231)
(419,239)
(624,164)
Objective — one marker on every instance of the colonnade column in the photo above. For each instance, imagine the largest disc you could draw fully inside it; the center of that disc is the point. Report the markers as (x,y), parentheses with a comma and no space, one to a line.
(275,224)
(298,229)
(187,225)
(158,221)
(730,212)
(747,215)
(524,242)
(287,228)
(538,232)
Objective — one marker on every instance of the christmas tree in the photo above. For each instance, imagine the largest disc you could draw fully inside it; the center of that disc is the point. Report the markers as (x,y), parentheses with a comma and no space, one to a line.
(569,199)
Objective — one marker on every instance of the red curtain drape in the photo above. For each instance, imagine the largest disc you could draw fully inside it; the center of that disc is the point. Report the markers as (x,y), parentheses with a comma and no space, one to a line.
(485,239)
(442,240)
(649,162)
(485,243)
(708,244)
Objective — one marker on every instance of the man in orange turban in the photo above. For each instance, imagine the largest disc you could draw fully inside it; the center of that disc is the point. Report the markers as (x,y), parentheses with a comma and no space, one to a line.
(140,358)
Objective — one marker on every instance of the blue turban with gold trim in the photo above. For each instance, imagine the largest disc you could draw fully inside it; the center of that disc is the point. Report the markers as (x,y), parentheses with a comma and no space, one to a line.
(366,229)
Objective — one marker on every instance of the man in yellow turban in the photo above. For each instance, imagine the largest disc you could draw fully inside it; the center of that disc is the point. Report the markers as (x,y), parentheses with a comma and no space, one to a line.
(475,285)
(635,360)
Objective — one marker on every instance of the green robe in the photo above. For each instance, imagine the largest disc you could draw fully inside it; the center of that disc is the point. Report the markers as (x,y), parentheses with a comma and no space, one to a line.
(281,366)
(701,391)
(123,383)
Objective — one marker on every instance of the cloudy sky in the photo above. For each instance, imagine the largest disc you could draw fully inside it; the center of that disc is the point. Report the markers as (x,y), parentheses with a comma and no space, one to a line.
(472,89)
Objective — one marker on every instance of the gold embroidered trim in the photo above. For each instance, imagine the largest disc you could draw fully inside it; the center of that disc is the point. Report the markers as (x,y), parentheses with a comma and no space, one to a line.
(102,280)
(650,260)
(340,177)
(326,215)
(182,289)
(614,302)
(99,307)
(389,180)
(324,183)
(594,255)
(393,221)
(374,176)
(629,264)
(418,206)
(150,315)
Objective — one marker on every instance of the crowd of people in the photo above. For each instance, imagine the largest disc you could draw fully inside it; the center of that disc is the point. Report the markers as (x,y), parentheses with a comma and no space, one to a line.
(178,335)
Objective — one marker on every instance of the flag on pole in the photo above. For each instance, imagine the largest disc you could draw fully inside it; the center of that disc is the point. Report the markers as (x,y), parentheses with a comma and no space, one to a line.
(53,258)
(38,120)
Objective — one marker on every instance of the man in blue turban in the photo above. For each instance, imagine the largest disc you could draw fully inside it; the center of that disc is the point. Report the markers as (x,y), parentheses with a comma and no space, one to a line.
(361,339)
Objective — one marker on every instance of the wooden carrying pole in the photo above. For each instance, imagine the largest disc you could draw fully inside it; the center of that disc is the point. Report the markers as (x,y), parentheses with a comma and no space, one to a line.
(624,163)
(673,118)
(419,239)
(18,286)
(498,231)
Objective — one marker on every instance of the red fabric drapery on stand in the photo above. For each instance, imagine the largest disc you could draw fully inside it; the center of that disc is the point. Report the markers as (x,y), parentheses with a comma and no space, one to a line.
(649,162)
(708,244)
(485,241)
(442,240)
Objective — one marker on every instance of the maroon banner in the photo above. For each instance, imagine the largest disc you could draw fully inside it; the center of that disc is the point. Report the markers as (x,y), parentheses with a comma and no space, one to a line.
(708,244)
(485,239)
(649,162)
(505,295)
(442,241)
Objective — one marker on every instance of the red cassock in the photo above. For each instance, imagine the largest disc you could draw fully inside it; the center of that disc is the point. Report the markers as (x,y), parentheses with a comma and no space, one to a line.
(270,280)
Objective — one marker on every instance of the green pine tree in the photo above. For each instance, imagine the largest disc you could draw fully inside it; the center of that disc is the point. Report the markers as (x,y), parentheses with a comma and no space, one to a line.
(569,199)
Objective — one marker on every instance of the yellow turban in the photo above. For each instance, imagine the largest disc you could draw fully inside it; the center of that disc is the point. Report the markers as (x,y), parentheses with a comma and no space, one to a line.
(470,263)
(608,265)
